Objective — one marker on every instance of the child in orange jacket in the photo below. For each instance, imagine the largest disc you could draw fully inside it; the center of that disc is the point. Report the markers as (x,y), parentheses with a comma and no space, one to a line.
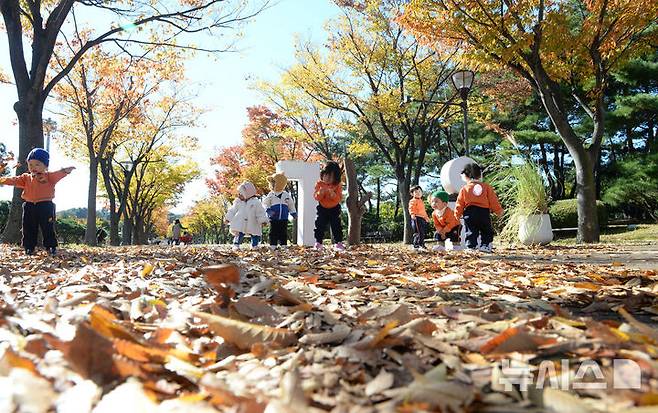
(329,192)
(38,193)
(445,223)
(419,218)
(475,202)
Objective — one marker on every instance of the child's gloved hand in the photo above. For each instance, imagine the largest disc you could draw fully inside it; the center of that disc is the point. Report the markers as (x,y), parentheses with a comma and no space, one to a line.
(294,215)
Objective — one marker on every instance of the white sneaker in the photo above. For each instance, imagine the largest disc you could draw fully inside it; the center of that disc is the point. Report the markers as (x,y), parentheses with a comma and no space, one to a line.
(339,246)
(486,248)
(317,246)
(235,247)
(438,248)
(455,247)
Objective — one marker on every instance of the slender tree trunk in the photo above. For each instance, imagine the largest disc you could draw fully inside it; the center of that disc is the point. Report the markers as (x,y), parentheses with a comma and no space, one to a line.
(588,221)
(379,197)
(30,135)
(126,232)
(355,203)
(90,232)
(584,159)
(404,196)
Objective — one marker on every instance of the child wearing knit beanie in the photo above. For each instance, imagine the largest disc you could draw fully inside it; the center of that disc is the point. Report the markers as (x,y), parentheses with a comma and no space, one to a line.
(38,193)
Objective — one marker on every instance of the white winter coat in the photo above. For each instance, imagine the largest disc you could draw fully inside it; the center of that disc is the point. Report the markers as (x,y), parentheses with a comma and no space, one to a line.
(247,216)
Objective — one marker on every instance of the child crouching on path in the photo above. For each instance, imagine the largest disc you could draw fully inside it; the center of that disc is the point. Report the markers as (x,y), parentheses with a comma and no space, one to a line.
(419,218)
(446,225)
(475,202)
(246,216)
(329,192)
(38,193)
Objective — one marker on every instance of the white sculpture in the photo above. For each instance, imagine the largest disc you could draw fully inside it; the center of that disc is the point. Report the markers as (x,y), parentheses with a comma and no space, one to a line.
(451,174)
(306,174)
(452,182)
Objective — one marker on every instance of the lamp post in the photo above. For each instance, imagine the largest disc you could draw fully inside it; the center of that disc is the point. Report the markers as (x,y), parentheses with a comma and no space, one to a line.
(462,80)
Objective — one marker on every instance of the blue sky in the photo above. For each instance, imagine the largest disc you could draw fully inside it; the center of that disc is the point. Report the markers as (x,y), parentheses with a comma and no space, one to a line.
(266,48)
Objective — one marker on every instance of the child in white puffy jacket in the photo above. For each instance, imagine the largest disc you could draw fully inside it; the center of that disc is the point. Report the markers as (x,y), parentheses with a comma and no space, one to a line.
(246,216)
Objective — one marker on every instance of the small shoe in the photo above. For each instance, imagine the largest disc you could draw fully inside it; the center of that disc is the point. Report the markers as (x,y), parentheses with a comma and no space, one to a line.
(469,250)
(235,247)
(486,248)
(52,251)
(339,246)
(29,251)
(438,248)
(317,246)
(272,247)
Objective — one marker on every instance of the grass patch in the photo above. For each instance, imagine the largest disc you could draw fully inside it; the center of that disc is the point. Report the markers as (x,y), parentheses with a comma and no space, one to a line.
(642,234)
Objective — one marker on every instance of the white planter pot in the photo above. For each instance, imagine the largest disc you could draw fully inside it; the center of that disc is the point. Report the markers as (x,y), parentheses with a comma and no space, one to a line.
(535,229)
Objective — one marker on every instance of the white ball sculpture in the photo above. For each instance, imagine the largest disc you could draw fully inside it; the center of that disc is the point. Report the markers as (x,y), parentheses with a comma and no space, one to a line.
(451,178)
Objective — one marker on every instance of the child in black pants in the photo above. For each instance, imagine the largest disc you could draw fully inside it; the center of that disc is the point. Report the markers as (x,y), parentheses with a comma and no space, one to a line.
(38,192)
(475,202)
(329,192)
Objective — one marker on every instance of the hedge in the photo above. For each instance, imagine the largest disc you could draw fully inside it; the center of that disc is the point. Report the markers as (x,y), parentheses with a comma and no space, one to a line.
(564,213)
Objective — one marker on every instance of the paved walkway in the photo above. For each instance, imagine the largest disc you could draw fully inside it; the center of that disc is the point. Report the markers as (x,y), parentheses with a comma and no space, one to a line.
(643,257)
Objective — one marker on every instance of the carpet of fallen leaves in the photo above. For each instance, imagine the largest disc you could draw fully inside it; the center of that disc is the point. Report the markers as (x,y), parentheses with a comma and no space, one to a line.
(373,329)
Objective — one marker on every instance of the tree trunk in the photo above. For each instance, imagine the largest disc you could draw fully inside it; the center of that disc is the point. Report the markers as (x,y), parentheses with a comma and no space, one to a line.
(30,135)
(90,232)
(379,197)
(588,220)
(403,193)
(355,204)
(126,233)
(584,158)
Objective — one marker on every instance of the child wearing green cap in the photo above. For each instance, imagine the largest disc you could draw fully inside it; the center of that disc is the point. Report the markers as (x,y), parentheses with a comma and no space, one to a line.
(446,225)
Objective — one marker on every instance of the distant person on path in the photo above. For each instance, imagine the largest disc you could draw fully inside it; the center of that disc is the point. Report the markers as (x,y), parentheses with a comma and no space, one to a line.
(246,216)
(446,225)
(278,205)
(475,202)
(38,193)
(329,193)
(176,231)
(101,235)
(419,218)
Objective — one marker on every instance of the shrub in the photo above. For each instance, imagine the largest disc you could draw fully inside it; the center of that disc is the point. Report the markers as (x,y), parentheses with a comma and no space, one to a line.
(70,231)
(564,213)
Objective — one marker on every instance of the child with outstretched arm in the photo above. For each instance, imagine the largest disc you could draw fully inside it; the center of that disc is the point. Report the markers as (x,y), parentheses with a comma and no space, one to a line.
(38,193)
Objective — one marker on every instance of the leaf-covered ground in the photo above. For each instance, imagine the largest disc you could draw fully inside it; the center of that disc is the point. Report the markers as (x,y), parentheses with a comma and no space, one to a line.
(373,329)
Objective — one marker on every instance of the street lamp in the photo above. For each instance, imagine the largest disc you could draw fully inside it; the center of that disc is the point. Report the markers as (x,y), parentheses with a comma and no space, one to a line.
(462,80)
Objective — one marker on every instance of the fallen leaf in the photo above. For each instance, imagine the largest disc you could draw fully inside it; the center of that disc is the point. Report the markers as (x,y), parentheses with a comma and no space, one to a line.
(221,274)
(244,335)
(383,381)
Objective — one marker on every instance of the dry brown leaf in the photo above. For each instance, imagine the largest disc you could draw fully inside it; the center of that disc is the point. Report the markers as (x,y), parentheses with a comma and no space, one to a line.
(383,381)
(338,333)
(515,339)
(286,297)
(244,335)
(221,274)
